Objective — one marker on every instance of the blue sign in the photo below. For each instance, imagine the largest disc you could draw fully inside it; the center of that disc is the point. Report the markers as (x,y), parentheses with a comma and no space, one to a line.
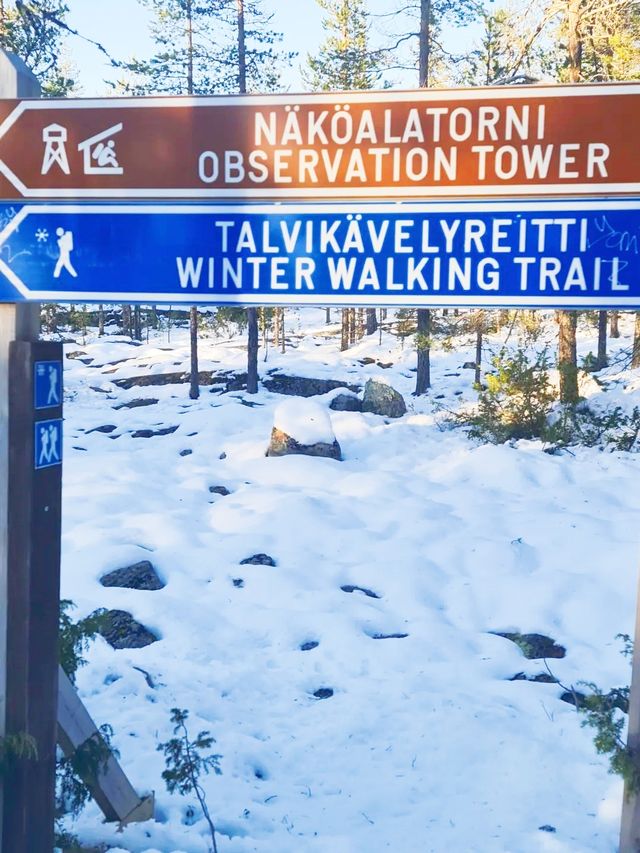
(48,443)
(549,254)
(47,384)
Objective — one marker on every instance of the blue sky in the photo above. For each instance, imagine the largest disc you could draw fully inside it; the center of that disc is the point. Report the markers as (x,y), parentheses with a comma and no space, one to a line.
(121,26)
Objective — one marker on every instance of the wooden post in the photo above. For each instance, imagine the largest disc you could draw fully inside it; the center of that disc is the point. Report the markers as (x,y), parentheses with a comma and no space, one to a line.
(33,589)
(630,826)
(17,322)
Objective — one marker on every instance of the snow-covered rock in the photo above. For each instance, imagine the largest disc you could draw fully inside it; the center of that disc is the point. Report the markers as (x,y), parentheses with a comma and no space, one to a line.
(303,427)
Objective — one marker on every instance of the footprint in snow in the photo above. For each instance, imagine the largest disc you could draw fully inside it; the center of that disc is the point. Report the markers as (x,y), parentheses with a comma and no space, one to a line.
(323,693)
(397,636)
(353,588)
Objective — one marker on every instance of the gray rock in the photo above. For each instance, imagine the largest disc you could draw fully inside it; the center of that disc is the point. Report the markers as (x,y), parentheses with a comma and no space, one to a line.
(382,399)
(282,444)
(534,646)
(138,403)
(346,403)
(303,386)
(121,631)
(226,379)
(219,490)
(149,433)
(258,560)
(469,365)
(140,575)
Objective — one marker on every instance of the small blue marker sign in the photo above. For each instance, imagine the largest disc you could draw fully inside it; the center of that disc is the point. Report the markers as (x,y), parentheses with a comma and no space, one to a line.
(48,443)
(47,383)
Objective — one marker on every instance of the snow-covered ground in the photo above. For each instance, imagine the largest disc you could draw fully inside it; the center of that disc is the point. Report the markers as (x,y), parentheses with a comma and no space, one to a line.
(425,744)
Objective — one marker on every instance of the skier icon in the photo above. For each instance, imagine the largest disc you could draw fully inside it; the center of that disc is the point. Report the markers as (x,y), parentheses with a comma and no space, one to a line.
(54,396)
(45,453)
(65,244)
(54,453)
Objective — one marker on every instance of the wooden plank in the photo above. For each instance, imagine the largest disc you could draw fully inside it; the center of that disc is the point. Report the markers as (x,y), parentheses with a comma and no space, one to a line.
(111,790)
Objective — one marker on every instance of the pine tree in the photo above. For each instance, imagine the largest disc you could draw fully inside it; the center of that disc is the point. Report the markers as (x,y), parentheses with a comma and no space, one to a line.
(345,61)
(34,30)
(203,47)
(198,49)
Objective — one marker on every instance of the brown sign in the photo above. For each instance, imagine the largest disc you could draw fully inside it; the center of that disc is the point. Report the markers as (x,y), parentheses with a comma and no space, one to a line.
(504,141)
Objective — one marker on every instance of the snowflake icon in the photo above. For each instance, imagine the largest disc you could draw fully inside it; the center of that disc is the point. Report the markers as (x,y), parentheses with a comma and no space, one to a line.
(42,235)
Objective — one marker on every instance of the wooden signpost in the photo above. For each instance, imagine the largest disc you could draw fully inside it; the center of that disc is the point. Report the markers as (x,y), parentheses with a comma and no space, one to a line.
(506,171)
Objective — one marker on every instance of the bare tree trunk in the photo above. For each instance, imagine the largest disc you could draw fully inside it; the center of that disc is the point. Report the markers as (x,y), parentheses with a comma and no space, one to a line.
(425,44)
(283,340)
(567,320)
(252,314)
(137,322)
(252,351)
(360,324)
(263,323)
(614,331)
(194,385)
(276,327)
(100,321)
(242,49)
(574,45)
(352,326)
(602,339)
(344,329)
(372,321)
(327,317)
(479,335)
(567,356)
(423,374)
(635,361)
(126,320)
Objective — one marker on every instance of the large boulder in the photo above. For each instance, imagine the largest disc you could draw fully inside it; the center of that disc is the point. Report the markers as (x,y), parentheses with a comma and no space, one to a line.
(381,399)
(303,427)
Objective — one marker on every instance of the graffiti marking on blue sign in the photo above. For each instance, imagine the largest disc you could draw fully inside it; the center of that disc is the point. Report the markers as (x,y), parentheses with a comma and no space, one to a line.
(524,253)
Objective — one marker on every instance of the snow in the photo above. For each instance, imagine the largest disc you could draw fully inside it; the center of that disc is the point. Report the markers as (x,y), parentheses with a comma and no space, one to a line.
(425,744)
(305,421)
